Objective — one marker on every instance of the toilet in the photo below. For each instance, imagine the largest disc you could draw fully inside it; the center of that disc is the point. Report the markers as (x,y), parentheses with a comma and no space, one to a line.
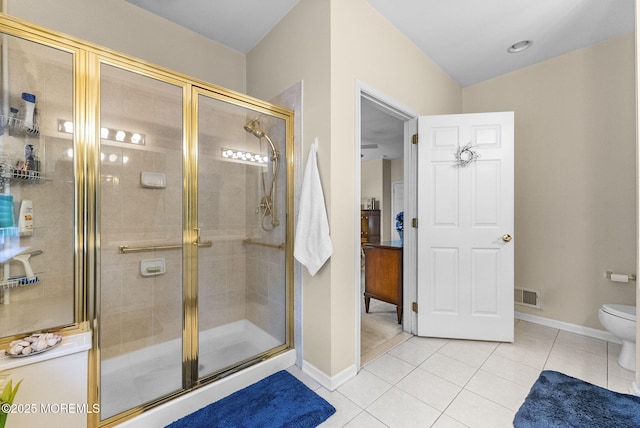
(620,320)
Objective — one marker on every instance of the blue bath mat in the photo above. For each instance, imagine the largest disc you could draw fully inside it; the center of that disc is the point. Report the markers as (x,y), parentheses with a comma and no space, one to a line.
(560,401)
(279,400)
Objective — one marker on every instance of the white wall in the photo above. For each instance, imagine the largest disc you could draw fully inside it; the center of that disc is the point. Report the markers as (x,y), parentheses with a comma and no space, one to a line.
(575,169)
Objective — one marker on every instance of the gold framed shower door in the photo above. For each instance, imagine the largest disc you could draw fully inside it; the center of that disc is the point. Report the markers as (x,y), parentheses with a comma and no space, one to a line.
(89,59)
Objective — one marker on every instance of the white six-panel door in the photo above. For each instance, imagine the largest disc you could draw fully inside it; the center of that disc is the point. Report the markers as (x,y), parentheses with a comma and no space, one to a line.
(465,213)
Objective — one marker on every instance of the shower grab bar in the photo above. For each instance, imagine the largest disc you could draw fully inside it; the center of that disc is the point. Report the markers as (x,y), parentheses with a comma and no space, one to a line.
(263,244)
(124,249)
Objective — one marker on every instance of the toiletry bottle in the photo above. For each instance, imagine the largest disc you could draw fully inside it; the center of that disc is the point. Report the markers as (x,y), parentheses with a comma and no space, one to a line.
(6,211)
(25,222)
(29,161)
(13,117)
(29,101)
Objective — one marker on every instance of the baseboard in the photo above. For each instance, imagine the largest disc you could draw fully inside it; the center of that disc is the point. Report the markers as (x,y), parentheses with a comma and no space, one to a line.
(573,328)
(329,382)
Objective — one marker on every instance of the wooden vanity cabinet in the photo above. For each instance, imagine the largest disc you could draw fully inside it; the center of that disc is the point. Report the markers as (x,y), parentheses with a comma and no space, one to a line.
(383,274)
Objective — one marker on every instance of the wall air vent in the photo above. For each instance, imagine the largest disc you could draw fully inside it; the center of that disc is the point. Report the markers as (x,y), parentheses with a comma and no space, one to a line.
(526,297)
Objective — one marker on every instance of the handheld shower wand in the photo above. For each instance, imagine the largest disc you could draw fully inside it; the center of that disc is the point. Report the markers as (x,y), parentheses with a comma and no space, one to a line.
(267,205)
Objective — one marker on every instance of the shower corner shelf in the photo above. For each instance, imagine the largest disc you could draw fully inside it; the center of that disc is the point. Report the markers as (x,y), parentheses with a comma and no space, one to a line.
(15,124)
(10,173)
(18,282)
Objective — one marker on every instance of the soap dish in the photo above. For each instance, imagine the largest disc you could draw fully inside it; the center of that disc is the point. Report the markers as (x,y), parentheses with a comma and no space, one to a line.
(153,180)
(33,345)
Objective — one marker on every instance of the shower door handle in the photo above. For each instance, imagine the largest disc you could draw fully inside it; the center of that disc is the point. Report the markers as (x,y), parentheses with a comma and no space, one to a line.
(198,242)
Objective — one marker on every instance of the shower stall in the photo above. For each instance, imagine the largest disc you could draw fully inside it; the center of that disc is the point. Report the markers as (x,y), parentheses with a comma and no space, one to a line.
(160,219)
(194,226)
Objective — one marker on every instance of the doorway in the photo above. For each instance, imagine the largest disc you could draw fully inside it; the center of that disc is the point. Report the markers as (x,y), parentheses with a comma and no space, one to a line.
(384,159)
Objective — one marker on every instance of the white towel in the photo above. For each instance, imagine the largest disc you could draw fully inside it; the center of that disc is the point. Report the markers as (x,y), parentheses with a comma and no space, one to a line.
(312,246)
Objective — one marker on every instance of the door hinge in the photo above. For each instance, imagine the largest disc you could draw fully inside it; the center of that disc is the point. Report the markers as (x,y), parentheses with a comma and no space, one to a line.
(414,307)
(414,223)
(414,139)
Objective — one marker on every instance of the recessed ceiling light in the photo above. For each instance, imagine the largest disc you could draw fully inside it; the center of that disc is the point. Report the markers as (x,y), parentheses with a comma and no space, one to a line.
(520,46)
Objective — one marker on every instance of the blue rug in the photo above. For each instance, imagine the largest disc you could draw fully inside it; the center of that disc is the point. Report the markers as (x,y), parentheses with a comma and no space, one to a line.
(560,401)
(279,400)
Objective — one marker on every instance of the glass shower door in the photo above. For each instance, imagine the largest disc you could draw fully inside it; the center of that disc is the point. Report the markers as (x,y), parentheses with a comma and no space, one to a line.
(242,294)
(141,236)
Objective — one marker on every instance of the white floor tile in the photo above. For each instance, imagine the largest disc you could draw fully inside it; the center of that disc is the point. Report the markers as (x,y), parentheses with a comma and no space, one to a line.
(476,384)
(470,352)
(447,368)
(531,357)
(390,368)
(398,409)
(365,420)
(583,343)
(364,389)
(594,375)
(433,343)
(622,385)
(346,409)
(511,370)
(615,369)
(304,378)
(433,390)
(412,353)
(497,389)
(537,330)
(538,343)
(445,421)
(478,412)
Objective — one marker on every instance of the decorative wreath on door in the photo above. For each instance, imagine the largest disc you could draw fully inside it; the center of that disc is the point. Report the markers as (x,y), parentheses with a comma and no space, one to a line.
(465,156)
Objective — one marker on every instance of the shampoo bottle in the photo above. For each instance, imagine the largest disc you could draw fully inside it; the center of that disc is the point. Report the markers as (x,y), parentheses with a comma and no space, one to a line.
(25,222)
(29,107)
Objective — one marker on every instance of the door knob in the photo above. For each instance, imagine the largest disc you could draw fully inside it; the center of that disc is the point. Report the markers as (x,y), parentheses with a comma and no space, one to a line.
(506,238)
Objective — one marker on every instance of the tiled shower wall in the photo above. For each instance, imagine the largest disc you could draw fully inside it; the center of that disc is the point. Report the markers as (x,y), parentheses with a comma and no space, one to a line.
(236,281)
(46,73)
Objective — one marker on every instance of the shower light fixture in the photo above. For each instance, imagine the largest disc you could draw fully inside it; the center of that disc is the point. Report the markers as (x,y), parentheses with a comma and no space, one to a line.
(240,155)
(119,135)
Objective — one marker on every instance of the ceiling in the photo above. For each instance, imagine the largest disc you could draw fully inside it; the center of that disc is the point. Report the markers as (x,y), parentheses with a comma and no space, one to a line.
(467,38)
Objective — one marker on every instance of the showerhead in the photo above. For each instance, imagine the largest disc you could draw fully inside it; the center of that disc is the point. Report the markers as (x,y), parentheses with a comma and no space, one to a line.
(253,127)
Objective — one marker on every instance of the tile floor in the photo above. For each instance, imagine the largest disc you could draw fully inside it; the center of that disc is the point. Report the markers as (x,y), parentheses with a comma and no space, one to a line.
(442,383)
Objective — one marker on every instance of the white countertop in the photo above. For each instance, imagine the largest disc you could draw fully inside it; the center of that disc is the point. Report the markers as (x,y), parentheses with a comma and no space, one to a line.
(69,345)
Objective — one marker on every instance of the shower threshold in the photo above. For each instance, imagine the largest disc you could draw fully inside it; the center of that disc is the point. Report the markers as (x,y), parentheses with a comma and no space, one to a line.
(135,378)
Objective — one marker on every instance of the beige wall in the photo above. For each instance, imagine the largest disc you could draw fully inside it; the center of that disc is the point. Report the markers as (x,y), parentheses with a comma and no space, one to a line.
(397,170)
(371,181)
(575,169)
(376,177)
(375,182)
(366,47)
(298,49)
(123,27)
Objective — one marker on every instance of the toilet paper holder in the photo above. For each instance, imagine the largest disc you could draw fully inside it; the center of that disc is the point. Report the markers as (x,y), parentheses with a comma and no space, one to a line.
(619,277)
